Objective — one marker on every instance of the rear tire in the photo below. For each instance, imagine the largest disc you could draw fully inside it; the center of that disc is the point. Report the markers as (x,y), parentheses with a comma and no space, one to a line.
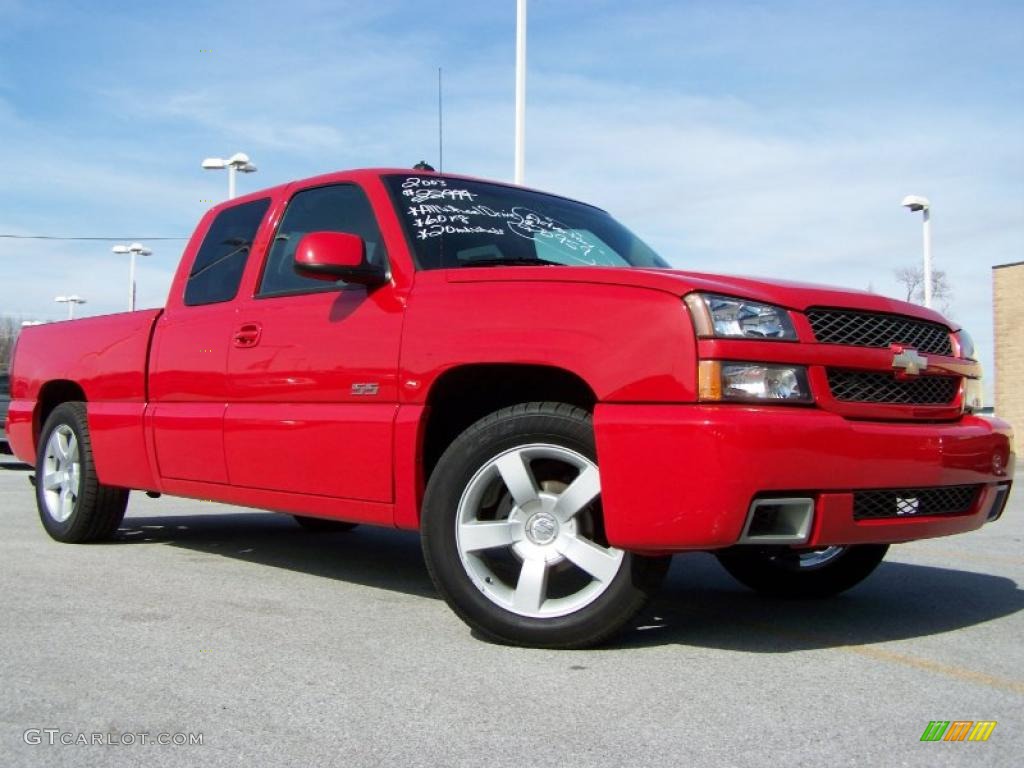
(74,506)
(320,525)
(513,533)
(787,572)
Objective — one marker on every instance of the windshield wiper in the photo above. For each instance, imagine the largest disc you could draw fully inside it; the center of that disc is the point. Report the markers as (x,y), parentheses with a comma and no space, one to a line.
(509,261)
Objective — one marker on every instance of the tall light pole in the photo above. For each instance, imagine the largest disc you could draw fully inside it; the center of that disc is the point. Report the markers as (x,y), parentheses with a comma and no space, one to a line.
(237,162)
(917,203)
(70,301)
(135,249)
(520,91)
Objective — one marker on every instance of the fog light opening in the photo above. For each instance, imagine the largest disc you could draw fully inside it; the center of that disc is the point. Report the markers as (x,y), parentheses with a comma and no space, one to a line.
(779,521)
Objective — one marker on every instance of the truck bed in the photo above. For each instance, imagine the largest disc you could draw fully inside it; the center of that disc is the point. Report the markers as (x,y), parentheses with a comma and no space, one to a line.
(105,357)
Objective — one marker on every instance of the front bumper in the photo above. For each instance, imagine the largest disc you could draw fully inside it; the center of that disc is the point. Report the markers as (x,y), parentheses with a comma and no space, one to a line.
(678,477)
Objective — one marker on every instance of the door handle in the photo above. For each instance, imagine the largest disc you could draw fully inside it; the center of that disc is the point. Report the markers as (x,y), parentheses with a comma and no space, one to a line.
(247,336)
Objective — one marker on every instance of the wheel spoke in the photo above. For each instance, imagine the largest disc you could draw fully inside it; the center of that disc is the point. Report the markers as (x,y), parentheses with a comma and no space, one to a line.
(583,490)
(62,445)
(532,585)
(487,535)
(66,503)
(51,480)
(517,478)
(599,562)
(72,448)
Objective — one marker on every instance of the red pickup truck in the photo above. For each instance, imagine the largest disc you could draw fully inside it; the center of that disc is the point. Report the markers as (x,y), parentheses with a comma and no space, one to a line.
(519,377)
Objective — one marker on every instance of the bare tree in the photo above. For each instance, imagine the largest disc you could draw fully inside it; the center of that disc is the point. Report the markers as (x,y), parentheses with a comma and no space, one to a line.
(9,329)
(912,280)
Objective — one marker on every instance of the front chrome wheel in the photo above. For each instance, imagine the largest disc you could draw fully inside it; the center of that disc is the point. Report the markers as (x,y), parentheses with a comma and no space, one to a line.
(514,532)
(61,473)
(526,528)
(810,572)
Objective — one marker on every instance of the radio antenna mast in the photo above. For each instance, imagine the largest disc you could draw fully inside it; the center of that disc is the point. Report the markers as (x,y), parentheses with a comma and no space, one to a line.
(440,126)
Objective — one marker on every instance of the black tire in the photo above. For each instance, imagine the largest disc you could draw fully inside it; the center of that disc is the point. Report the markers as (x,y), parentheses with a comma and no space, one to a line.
(785,572)
(82,510)
(320,525)
(601,606)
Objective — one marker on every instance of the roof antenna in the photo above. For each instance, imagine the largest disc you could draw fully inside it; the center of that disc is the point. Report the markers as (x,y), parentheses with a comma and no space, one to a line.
(423,165)
(440,126)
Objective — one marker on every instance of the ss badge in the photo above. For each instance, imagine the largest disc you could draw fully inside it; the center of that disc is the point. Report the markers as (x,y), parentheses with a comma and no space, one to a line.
(365,389)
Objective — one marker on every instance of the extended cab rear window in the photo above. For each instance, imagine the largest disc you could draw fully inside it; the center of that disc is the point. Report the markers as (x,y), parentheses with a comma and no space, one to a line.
(453,222)
(220,262)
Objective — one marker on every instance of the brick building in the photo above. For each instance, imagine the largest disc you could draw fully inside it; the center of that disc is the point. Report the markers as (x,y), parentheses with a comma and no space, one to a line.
(1008,301)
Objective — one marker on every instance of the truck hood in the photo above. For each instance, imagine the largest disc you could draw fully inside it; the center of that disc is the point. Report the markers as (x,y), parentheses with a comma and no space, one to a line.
(792,295)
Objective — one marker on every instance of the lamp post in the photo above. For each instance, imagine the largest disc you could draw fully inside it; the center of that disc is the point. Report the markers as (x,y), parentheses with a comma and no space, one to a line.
(237,162)
(520,153)
(917,203)
(70,301)
(135,249)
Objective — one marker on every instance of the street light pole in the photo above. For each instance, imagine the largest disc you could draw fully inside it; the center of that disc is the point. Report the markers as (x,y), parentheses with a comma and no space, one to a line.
(927,242)
(917,203)
(70,301)
(520,153)
(135,249)
(237,162)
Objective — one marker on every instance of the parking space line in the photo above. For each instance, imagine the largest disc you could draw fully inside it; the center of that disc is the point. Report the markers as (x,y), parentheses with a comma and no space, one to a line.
(829,643)
(927,665)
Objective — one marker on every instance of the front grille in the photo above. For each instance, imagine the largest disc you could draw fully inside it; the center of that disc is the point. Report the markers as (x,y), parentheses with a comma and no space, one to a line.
(914,502)
(873,329)
(869,387)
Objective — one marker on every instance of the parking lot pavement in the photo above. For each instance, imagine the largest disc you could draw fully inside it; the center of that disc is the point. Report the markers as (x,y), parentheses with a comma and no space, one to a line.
(283,648)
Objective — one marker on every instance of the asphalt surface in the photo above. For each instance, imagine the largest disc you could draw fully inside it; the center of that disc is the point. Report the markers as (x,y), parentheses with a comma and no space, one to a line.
(285,648)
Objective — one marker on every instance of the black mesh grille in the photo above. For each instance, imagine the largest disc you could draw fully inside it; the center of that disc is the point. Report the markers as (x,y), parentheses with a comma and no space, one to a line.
(866,387)
(914,502)
(872,329)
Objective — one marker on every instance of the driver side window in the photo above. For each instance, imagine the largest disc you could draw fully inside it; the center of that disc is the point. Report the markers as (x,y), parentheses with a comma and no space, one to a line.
(336,208)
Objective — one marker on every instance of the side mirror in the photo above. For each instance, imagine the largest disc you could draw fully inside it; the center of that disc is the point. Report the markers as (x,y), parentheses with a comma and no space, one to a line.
(335,256)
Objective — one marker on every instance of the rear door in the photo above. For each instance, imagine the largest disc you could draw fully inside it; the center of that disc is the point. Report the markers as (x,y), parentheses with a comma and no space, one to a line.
(313,387)
(188,385)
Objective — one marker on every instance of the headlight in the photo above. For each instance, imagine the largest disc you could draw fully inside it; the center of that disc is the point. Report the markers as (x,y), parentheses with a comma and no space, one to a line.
(751,382)
(729,318)
(966,344)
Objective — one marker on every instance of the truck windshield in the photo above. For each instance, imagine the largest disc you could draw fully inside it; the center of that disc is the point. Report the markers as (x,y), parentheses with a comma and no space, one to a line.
(458,223)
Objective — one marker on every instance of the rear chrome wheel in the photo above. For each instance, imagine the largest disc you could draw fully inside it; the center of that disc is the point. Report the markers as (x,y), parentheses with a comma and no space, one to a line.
(74,506)
(513,533)
(61,471)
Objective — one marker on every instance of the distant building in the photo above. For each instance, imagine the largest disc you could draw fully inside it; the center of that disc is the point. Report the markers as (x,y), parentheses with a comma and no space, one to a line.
(1008,304)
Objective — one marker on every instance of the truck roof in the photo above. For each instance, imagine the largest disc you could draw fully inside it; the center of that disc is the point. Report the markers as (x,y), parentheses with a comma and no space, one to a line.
(361,174)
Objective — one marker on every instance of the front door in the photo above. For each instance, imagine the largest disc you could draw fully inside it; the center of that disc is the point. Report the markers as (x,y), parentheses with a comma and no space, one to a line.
(312,385)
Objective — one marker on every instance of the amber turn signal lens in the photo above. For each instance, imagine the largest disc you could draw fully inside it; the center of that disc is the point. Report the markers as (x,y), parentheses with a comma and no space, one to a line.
(709,380)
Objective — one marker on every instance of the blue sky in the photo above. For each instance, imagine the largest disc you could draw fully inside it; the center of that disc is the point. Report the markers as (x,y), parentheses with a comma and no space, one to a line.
(765,138)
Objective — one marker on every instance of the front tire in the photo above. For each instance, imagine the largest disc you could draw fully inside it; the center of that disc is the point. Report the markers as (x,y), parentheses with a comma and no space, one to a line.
(513,533)
(74,506)
(808,573)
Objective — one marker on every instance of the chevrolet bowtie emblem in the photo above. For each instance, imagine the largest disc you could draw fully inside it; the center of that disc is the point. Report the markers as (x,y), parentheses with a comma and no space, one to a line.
(907,362)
